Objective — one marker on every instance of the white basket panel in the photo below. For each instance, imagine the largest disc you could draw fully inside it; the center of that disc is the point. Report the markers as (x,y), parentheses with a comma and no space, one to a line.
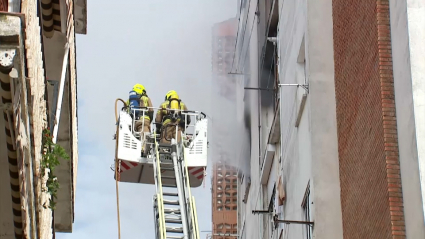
(129,147)
(196,153)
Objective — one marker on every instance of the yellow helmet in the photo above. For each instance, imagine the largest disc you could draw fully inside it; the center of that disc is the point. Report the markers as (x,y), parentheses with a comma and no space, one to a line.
(140,89)
(174,96)
(169,93)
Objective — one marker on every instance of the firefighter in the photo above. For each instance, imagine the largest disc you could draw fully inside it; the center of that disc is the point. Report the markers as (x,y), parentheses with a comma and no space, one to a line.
(138,98)
(169,117)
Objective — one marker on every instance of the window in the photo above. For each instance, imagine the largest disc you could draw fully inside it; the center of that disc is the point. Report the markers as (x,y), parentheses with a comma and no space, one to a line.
(219,201)
(227,174)
(220,226)
(219,188)
(227,187)
(227,194)
(227,208)
(235,208)
(219,181)
(220,208)
(307,213)
(219,195)
(228,226)
(228,201)
(227,180)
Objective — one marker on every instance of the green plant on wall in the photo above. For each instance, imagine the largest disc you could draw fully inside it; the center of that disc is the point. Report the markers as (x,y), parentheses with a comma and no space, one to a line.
(51,154)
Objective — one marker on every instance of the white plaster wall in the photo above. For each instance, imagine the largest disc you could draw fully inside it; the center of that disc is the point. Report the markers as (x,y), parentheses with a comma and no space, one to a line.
(295,168)
(249,65)
(407,35)
(416,22)
(325,183)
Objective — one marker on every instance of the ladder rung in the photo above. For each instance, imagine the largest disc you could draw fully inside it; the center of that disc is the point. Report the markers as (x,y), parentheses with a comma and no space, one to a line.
(164,145)
(174,229)
(170,194)
(167,169)
(175,237)
(168,177)
(175,211)
(169,186)
(171,202)
(177,221)
(173,217)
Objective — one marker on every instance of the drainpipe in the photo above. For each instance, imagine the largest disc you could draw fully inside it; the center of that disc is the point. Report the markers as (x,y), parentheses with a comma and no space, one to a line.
(60,97)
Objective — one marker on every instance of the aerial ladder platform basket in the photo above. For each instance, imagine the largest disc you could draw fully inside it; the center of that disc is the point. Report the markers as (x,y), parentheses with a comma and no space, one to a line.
(172,167)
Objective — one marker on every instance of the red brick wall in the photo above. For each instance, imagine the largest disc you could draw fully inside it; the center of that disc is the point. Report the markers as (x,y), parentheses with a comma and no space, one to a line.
(224,176)
(367,138)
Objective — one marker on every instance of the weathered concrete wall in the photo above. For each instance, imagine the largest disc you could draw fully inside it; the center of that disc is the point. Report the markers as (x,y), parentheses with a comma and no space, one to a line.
(73,88)
(37,108)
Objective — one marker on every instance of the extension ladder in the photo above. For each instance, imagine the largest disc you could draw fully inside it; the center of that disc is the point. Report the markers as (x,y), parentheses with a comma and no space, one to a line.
(174,207)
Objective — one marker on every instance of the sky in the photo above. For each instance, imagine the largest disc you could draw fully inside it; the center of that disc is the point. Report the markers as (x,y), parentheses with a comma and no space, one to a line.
(163,45)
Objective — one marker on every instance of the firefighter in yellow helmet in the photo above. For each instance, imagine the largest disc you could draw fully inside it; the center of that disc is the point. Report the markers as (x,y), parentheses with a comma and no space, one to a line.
(139,99)
(169,116)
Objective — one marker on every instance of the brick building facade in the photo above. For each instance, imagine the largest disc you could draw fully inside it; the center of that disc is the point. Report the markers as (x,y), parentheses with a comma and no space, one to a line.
(345,164)
(224,201)
(38,92)
(366,117)
(224,177)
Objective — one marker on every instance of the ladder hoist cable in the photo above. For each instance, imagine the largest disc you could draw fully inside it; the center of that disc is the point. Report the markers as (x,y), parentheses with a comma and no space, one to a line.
(117,167)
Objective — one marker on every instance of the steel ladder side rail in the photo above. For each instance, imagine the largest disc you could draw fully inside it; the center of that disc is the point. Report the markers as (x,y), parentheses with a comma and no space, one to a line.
(159,199)
(191,200)
(180,188)
(155,211)
(195,215)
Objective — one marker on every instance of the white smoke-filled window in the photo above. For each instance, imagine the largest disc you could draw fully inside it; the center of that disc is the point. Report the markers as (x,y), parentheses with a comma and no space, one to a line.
(219,195)
(219,201)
